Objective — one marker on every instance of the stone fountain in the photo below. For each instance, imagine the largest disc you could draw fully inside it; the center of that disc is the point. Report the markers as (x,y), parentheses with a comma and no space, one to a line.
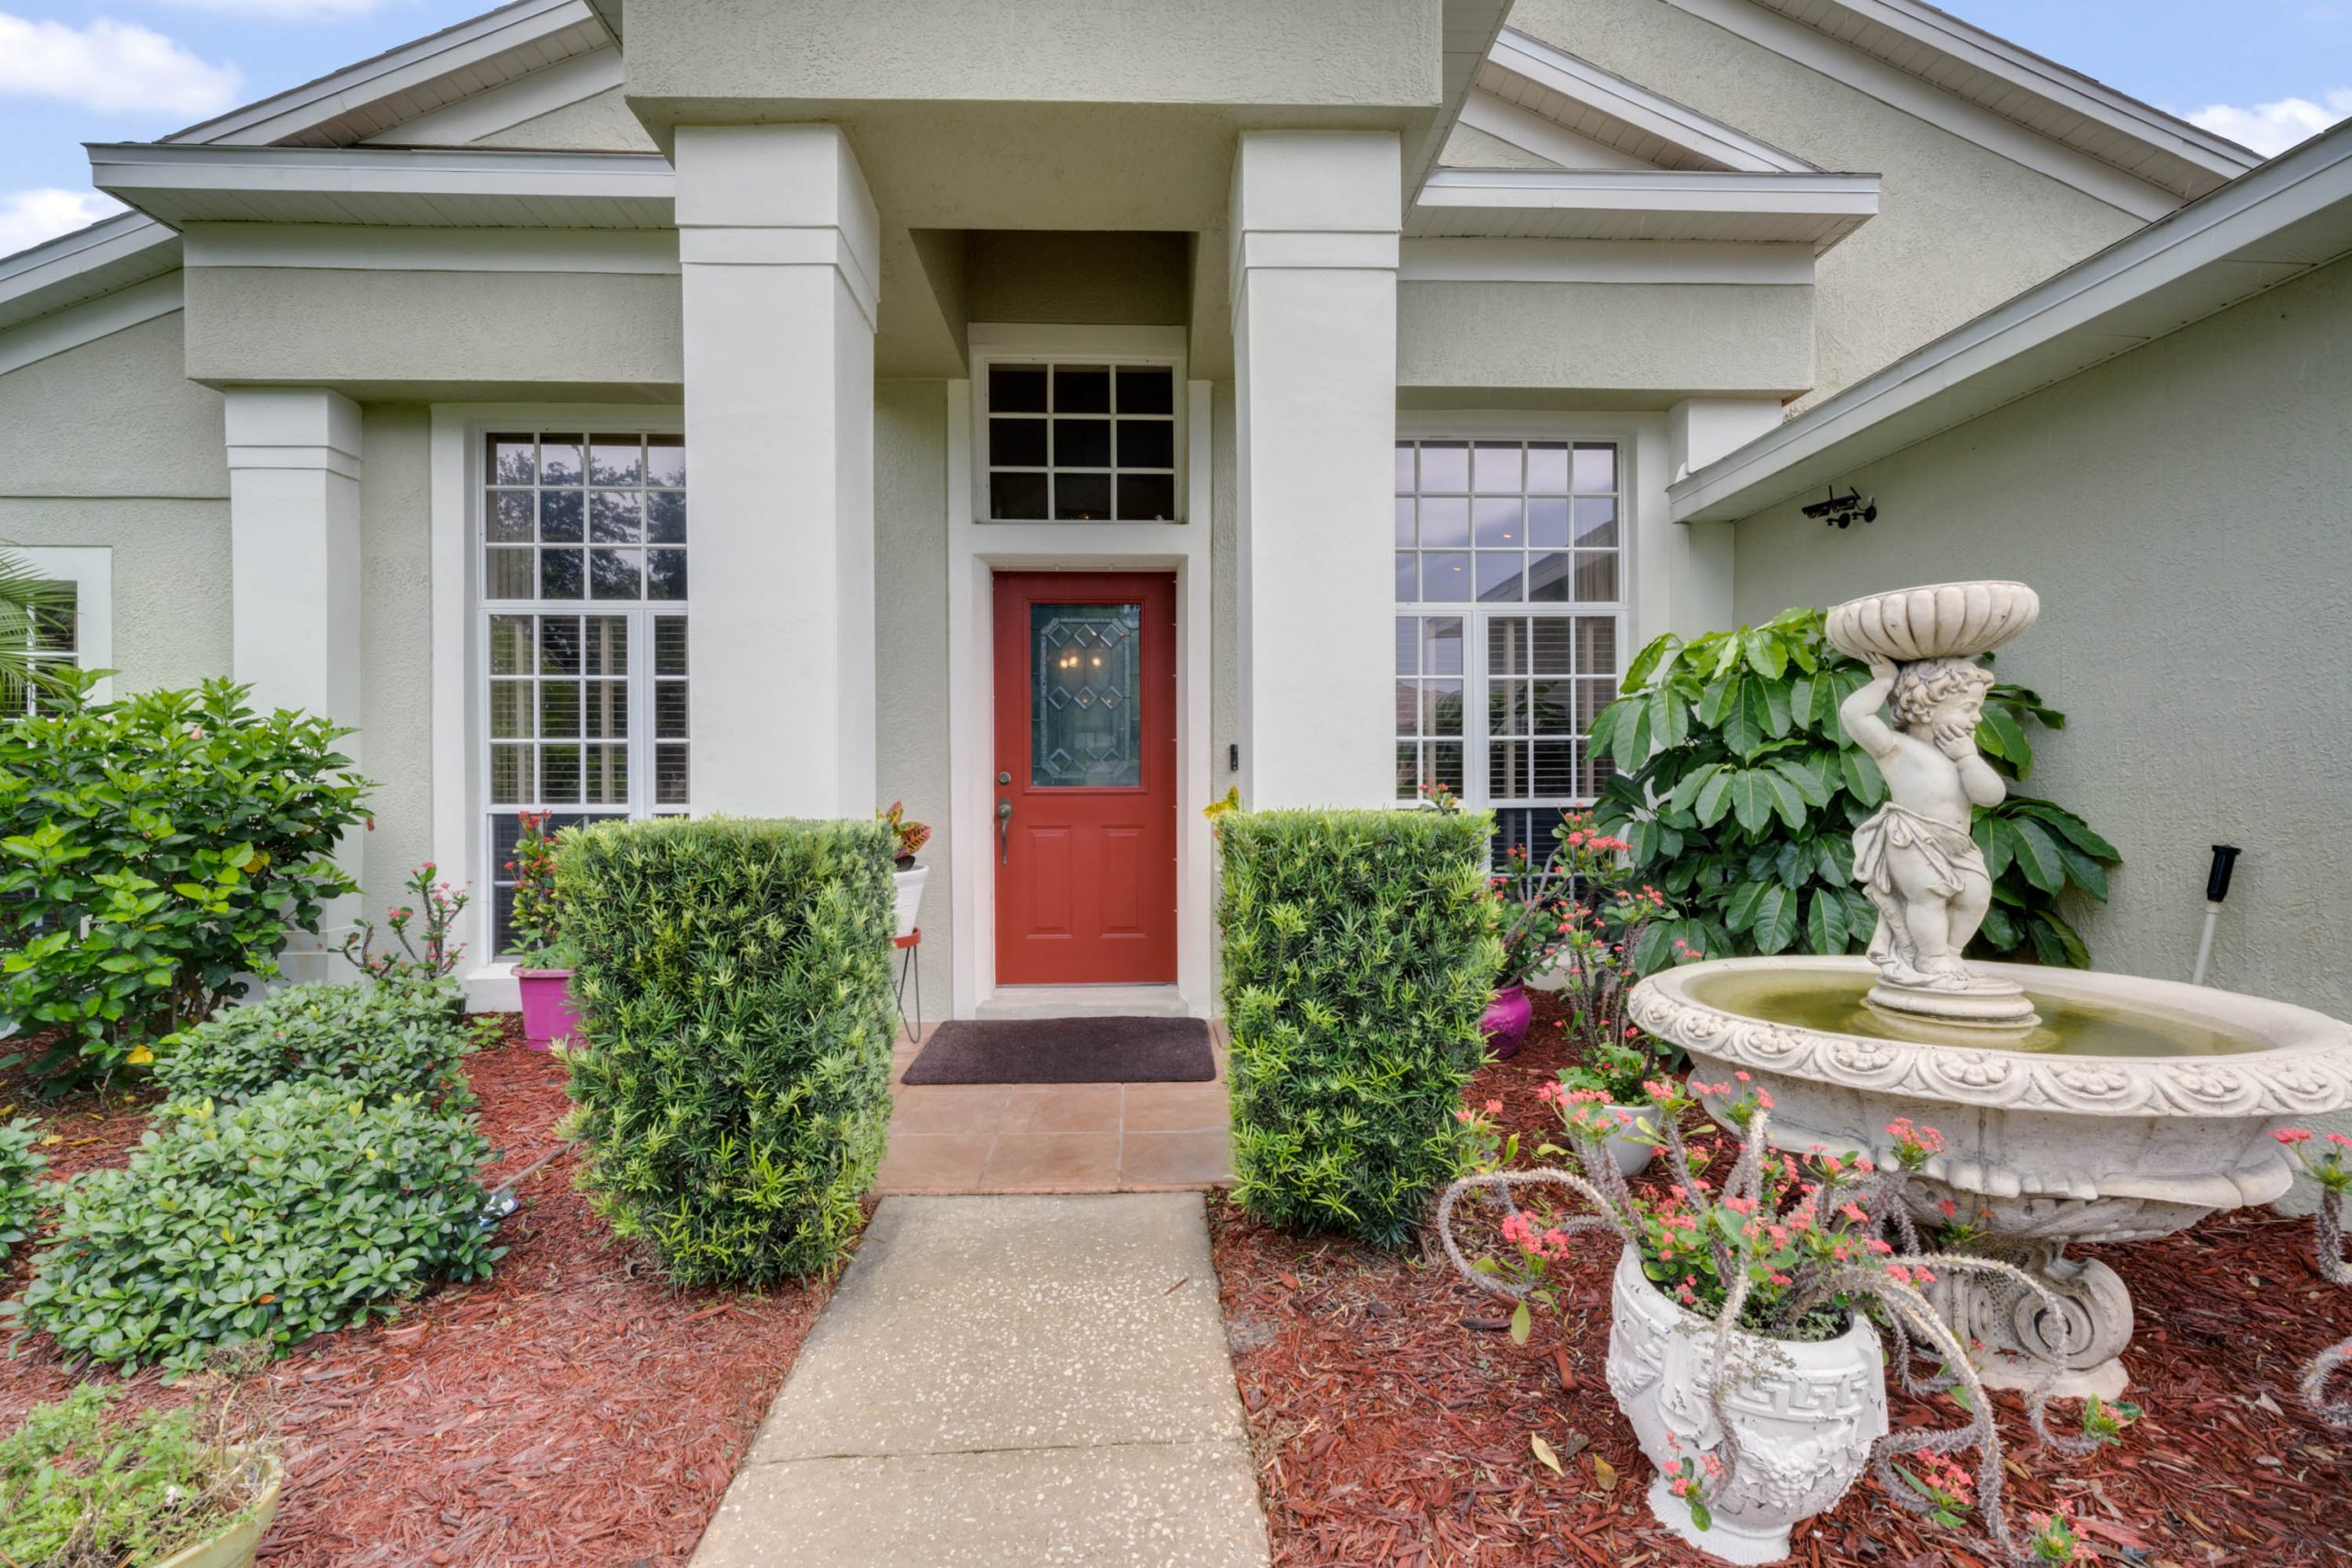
(2078,1106)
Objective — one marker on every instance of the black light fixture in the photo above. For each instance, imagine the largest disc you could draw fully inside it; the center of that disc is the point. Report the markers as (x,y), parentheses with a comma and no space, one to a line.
(1839,510)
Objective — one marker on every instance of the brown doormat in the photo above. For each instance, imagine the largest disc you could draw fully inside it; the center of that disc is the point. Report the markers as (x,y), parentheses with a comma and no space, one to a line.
(1066,1050)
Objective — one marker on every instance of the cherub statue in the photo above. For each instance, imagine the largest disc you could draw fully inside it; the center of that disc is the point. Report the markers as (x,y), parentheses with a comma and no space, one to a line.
(1916,857)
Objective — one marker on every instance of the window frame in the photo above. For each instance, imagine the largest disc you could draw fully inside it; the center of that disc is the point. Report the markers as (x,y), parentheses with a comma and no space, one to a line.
(1159,348)
(88,569)
(481,609)
(1475,614)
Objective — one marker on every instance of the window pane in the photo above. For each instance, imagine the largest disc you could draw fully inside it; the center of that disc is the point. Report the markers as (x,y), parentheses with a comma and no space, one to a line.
(510,645)
(1494,523)
(560,774)
(605,710)
(510,775)
(1595,577)
(1496,467)
(559,574)
(671,780)
(560,709)
(1408,576)
(559,645)
(511,461)
(1499,576)
(1445,576)
(1408,707)
(1408,769)
(1547,523)
(1445,466)
(559,516)
(615,574)
(1506,651)
(507,574)
(1442,645)
(1405,520)
(1017,443)
(559,460)
(1147,498)
(509,718)
(1081,389)
(1081,443)
(665,460)
(1445,763)
(665,574)
(1549,641)
(1404,467)
(1408,642)
(1443,714)
(616,460)
(1147,443)
(1086,696)
(1016,388)
(1081,498)
(670,644)
(1017,496)
(616,517)
(1445,521)
(607,645)
(1147,389)
(1596,468)
(1547,578)
(509,521)
(669,709)
(665,516)
(1596,522)
(1547,467)
(1595,645)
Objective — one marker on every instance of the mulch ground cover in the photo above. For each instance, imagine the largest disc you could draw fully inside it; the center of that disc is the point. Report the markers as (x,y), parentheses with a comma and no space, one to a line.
(573,1409)
(1392,1414)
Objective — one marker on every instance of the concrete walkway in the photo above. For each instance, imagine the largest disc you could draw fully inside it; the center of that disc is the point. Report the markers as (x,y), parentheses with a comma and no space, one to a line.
(1008,1380)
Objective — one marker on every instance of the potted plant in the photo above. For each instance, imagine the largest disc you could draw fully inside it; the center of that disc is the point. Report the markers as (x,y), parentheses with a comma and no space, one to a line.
(908,878)
(153,1490)
(1744,1345)
(543,960)
(1528,927)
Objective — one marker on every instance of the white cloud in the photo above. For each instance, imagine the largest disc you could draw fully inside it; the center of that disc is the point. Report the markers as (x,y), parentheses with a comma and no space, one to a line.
(28,216)
(109,65)
(2271,128)
(285,10)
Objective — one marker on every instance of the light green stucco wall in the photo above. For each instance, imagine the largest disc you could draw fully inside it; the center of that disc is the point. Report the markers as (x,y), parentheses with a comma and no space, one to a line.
(396,642)
(107,443)
(1662,340)
(599,123)
(2181,511)
(412,335)
(1959,229)
(1467,147)
(911,648)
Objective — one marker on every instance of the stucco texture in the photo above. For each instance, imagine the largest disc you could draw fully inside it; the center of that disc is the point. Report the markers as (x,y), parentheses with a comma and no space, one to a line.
(2180,510)
(412,335)
(601,122)
(911,648)
(1959,229)
(396,643)
(1658,341)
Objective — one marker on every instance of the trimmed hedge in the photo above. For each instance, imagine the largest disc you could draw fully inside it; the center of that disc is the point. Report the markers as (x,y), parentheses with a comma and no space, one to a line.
(735,981)
(301,1211)
(1359,955)
(375,1039)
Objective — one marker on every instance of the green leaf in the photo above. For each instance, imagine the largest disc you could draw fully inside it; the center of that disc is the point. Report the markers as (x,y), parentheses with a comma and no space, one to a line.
(2086,873)
(1752,800)
(1863,780)
(1522,1324)
(1786,797)
(1775,924)
(1766,655)
(2068,825)
(1739,913)
(1714,797)
(2038,856)
(1645,662)
(1998,733)
(1826,922)
(1997,840)
(1686,794)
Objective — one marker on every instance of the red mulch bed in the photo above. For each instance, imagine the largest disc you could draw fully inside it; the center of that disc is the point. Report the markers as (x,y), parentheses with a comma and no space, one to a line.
(1391,1415)
(572,1409)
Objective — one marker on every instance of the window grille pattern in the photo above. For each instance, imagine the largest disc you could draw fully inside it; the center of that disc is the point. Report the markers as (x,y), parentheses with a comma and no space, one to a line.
(1081,443)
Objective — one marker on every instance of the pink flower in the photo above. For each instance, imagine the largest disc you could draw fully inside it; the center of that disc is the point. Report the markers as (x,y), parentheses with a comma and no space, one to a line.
(2290,1136)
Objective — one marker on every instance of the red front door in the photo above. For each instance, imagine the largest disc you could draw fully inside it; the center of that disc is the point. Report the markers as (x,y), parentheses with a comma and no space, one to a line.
(1085,782)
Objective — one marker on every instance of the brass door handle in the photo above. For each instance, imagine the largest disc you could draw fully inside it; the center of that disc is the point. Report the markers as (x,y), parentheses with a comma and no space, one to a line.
(1003,831)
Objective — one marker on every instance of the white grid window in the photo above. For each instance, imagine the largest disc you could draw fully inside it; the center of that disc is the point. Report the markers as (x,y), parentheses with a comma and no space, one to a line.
(1510,612)
(1081,443)
(52,635)
(583,603)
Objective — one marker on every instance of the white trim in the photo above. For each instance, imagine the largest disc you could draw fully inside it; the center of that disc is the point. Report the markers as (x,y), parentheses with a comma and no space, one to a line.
(119,238)
(469,45)
(441,187)
(1816,209)
(458,809)
(503,107)
(1951,37)
(1531,132)
(359,248)
(1635,105)
(1006,343)
(86,323)
(1922,100)
(975,551)
(90,569)
(1603,261)
(2220,249)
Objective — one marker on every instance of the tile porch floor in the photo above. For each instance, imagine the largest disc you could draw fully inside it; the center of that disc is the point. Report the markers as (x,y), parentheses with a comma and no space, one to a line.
(1137,1137)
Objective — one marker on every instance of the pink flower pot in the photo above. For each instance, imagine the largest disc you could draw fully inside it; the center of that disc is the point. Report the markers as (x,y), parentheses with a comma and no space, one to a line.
(548,1017)
(1506,1021)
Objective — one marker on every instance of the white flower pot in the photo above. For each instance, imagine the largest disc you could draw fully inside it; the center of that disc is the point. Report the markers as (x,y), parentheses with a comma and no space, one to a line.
(909,886)
(1632,1154)
(1805,1415)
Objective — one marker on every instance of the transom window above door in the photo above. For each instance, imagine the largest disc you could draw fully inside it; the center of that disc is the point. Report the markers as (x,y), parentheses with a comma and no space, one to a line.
(1081,443)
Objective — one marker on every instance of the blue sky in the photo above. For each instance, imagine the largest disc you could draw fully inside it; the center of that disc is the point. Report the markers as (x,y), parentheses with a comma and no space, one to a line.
(2265,72)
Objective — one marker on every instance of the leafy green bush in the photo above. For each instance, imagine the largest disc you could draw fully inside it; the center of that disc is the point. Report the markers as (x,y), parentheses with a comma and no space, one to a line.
(302,1209)
(735,978)
(21,1194)
(1739,793)
(77,1489)
(378,1040)
(1360,952)
(152,851)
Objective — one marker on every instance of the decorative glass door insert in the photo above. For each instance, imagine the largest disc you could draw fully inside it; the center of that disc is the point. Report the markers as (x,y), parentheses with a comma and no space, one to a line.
(1086,709)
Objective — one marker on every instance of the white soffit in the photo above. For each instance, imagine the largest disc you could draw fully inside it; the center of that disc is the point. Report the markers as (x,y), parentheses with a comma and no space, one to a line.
(465,188)
(112,254)
(1581,97)
(2283,218)
(1812,209)
(1466,29)
(416,79)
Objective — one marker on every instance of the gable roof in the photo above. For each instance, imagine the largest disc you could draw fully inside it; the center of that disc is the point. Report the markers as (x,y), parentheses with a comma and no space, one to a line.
(2284,218)
(1581,98)
(112,254)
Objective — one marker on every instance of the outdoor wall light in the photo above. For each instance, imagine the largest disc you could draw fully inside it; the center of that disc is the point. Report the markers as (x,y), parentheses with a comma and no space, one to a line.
(1839,510)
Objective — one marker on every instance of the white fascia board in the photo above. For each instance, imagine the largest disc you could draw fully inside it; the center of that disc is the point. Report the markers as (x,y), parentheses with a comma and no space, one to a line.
(130,170)
(2211,254)
(49,275)
(1637,106)
(1923,100)
(452,50)
(1657,190)
(1482,260)
(1466,32)
(499,108)
(2046,79)
(89,321)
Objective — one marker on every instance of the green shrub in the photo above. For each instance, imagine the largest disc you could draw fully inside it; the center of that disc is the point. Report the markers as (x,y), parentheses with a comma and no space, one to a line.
(1739,793)
(77,1489)
(153,851)
(22,1192)
(377,1041)
(302,1209)
(1359,953)
(735,978)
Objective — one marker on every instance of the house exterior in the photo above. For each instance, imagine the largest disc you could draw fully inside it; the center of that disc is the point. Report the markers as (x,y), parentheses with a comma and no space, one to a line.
(1054,415)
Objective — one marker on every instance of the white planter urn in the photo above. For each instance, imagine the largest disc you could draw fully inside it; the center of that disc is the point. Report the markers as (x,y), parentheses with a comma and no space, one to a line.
(909,884)
(1632,1154)
(1804,1415)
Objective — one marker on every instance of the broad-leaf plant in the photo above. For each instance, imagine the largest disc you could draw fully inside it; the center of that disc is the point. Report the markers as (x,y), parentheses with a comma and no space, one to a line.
(1739,793)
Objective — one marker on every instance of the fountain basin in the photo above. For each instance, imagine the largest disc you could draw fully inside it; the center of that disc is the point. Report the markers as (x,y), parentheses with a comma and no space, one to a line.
(2134,1110)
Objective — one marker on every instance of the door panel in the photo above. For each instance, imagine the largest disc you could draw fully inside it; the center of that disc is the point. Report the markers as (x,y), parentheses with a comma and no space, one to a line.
(1086,761)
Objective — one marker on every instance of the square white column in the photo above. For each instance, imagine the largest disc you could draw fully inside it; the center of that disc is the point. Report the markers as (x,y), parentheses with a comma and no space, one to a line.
(294,549)
(1315,229)
(778,241)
